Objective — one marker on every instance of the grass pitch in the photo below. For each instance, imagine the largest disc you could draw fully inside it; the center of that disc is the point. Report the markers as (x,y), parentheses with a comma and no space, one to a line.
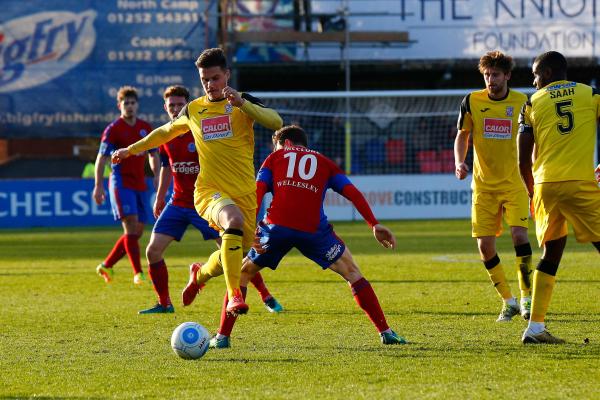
(66,334)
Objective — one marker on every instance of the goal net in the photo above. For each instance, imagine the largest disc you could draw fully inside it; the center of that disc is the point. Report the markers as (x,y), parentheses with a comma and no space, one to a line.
(373,132)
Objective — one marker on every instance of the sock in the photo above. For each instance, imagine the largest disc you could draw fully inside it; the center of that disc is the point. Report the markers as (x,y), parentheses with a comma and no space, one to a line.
(511,302)
(132,247)
(524,268)
(227,320)
(231,258)
(117,252)
(366,299)
(160,281)
(496,273)
(212,268)
(536,327)
(259,284)
(543,285)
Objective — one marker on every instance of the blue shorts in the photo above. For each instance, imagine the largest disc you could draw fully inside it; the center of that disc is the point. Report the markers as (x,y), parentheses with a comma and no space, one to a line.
(174,220)
(126,202)
(322,247)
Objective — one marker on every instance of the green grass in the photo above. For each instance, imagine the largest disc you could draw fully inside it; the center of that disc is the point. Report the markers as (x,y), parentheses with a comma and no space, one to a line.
(65,334)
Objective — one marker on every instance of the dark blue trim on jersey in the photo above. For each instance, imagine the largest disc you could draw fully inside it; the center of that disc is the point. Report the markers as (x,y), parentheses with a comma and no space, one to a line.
(337,182)
(265,175)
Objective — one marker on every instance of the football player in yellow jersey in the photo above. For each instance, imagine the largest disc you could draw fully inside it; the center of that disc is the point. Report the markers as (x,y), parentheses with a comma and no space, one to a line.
(225,193)
(491,117)
(558,126)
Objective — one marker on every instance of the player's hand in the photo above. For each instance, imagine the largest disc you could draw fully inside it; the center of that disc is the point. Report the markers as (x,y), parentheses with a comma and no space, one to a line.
(119,156)
(384,236)
(597,171)
(159,205)
(98,194)
(233,96)
(461,171)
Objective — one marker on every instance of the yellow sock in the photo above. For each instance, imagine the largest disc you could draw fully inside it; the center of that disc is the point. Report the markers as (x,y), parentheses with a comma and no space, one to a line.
(500,283)
(212,268)
(543,285)
(231,257)
(524,273)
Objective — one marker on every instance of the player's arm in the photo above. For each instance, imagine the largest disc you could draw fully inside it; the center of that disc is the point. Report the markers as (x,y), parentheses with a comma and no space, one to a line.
(461,142)
(98,193)
(525,144)
(154,139)
(341,184)
(164,182)
(254,108)
(154,160)
(264,182)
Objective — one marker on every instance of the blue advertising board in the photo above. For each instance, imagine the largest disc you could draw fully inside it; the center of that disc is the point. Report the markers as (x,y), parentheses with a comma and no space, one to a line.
(62,61)
(28,203)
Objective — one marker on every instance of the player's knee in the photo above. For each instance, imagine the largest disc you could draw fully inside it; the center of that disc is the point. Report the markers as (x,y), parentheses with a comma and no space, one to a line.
(153,253)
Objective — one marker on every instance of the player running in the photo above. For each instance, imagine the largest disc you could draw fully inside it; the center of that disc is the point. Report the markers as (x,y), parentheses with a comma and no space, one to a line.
(559,126)
(298,178)
(180,164)
(127,185)
(491,115)
(225,192)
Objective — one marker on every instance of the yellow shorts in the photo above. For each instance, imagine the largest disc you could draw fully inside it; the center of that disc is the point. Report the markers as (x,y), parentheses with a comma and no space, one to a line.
(209,202)
(489,207)
(577,202)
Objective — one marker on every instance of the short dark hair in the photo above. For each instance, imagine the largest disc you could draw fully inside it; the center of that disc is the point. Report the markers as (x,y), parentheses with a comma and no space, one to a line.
(176,90)
(214,57)
(496,59)
(555,62)
(126,91)
(293,133)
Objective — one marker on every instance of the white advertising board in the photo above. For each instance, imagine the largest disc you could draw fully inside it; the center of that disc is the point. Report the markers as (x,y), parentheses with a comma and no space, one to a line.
(405,197)
(465,29)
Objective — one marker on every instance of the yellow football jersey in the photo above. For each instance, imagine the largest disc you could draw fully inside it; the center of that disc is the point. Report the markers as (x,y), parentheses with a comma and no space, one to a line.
(563,119)
(224,138)
(493,125)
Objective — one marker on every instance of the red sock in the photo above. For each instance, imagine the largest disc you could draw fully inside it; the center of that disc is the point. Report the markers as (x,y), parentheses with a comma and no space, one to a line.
(259,284)
(366,298)
(117,252)
(160,281)
(227,320)
(132,247)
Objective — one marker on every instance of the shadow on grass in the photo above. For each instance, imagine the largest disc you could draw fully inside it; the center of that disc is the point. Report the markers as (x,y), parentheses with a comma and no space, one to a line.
(257,360)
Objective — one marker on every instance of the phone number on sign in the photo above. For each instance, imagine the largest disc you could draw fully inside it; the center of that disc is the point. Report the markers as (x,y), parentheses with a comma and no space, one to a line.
(153,18)
(149,55)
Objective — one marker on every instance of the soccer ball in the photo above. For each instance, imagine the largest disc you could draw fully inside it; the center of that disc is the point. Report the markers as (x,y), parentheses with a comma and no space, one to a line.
(190,340)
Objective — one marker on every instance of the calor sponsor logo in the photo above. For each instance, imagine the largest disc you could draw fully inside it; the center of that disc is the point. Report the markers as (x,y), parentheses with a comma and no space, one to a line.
(497,128)
(216,128)
(37,48)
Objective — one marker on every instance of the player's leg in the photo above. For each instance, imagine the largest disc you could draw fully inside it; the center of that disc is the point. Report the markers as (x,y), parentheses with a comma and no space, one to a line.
(200,273)
(495,270)
(222,338)
(365,297)
(516,206)
(551,231)
(279,241)
(133,228)
(486,225)
(105,268)
(524,267)
(270,302)
(159,274)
